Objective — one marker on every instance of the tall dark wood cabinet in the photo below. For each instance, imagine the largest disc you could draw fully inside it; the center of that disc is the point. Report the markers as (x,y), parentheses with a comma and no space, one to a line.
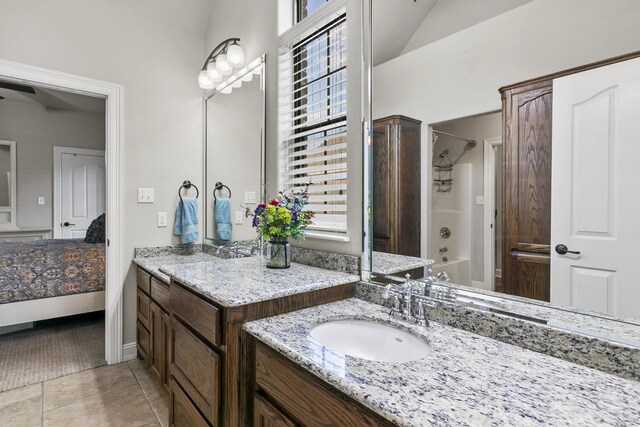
(396,184)
(527,189)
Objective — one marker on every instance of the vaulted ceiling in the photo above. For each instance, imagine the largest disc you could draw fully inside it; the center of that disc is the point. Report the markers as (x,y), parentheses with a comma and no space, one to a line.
(400,26)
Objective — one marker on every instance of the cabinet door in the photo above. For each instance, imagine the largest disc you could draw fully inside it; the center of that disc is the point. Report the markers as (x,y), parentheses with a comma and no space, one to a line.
(382,152)
(196,367)
(182,413)
(144,341)
(157,353)
(527,190)
(267,415)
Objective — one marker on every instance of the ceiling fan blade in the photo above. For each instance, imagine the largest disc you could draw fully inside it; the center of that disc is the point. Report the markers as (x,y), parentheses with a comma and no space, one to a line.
(17,87)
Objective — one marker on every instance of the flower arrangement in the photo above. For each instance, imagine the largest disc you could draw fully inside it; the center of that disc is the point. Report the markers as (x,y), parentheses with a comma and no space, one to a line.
(283,217)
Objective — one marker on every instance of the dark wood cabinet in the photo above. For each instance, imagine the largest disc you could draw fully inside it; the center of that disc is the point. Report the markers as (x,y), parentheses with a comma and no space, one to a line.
(197,347)
(152,330)
(307,400)
(527,189)
(267,415)
(396,176)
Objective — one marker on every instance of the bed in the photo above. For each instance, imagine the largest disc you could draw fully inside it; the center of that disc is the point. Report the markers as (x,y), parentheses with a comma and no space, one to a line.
(43,279)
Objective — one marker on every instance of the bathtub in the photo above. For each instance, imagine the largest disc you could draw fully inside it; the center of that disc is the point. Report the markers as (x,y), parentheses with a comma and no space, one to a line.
(458,269)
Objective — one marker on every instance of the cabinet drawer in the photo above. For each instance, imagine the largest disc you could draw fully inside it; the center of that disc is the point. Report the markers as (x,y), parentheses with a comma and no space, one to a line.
(160,294)
(284,383)
(143,279)
(143,308)
(203,317)
(183,413)
(144,341)
(196,368)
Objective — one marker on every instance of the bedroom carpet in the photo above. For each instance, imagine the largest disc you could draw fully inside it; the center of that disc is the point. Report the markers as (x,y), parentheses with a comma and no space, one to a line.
(53,348)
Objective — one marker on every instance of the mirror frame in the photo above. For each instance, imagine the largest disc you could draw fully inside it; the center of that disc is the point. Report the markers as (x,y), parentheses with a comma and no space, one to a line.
(12,208)
(261,63)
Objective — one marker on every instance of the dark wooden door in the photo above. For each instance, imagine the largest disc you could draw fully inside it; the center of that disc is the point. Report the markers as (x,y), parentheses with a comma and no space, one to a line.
(527,189)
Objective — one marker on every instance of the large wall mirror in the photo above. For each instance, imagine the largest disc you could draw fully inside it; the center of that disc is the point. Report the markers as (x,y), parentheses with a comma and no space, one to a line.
(234,155)
(528,189)
(8,185)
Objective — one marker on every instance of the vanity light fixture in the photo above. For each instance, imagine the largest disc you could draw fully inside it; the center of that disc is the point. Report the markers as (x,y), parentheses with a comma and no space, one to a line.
(221,63)
(234,81)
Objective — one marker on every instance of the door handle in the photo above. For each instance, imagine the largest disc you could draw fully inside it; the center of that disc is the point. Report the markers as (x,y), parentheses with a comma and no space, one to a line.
(563,250)
(67,224)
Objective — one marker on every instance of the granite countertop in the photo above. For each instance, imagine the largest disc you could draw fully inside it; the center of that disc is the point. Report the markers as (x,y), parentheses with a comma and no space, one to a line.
(153,263)
(600,325)
(467,379)
(240,281)
(384,263)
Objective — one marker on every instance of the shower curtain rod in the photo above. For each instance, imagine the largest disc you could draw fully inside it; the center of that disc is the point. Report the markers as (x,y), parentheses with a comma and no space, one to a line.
(454,136)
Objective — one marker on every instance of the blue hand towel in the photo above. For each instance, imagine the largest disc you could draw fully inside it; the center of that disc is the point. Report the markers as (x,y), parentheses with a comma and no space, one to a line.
(222,214)
(186,224)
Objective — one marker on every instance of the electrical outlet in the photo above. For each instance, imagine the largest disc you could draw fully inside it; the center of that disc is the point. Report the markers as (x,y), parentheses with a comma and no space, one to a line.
(41,200)
(145,195)
(249,196)
(162,219)
(239,216)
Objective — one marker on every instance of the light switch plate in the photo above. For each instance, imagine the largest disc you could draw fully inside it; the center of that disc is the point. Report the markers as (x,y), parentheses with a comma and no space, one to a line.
(145,195)
(479,200)
(162,219)
(239,216)
(41,200)
(249,196)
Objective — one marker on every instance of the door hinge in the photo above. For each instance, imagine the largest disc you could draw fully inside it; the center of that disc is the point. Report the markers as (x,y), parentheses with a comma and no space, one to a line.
(108,243)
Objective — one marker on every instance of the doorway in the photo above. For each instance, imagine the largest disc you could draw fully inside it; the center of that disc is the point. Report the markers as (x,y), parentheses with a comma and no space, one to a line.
(113,95)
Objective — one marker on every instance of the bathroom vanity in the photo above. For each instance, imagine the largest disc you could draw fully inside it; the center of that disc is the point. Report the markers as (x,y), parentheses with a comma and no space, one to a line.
(465,379)
(189,330)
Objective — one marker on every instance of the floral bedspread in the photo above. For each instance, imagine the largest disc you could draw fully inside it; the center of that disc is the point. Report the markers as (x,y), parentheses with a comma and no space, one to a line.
(50,268)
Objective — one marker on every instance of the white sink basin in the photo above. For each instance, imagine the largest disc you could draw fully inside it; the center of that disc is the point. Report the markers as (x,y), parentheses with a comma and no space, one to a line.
(370,340)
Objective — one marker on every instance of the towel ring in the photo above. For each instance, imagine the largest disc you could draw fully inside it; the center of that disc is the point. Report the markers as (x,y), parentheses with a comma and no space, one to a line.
(219,186)
(187,185)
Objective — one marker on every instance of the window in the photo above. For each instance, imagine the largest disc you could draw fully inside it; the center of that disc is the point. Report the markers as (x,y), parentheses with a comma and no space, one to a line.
(313,120)
(307,7)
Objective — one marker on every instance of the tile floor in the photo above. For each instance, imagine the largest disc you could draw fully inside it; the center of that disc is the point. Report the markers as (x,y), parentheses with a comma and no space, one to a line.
(126,394)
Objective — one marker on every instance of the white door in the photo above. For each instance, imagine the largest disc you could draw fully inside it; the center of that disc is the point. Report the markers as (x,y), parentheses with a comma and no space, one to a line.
(81,192)
(595,203)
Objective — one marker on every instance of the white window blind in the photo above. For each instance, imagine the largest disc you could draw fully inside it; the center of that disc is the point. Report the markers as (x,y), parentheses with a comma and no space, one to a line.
(313,118)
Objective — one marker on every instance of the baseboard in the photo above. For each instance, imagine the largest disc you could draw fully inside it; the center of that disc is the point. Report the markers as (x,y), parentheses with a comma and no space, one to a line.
(129,351)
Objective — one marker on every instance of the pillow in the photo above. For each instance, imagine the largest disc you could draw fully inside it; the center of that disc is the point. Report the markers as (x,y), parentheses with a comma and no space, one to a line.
(96,231)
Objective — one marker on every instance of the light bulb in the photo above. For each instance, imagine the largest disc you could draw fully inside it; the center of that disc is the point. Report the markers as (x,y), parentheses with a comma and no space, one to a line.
(227,90)
(203,80)
(247,77)
(213,74)
(222,65)
(235,55)
(236,84)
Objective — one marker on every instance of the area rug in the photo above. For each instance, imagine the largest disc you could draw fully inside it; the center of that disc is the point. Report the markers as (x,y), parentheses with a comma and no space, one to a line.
(53,348)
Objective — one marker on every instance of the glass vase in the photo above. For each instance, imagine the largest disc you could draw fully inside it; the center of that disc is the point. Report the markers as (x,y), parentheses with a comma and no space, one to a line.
(278,254)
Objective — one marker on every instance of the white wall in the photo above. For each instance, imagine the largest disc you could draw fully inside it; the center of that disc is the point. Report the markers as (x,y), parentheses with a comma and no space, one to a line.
(37,130)
(256,23)
(158,65)
(478,128)
(459,75)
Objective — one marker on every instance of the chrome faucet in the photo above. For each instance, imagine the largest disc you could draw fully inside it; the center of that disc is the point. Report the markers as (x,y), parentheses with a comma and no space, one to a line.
(404,301)
(233,250)
(439,292)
